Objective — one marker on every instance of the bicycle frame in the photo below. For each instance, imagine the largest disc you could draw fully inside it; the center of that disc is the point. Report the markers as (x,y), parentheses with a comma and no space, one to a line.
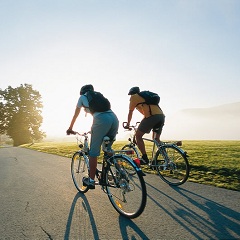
(169,160)
(126,192)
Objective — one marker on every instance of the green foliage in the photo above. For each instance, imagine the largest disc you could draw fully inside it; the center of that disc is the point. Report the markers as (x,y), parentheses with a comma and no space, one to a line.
(215,163)
(21,114)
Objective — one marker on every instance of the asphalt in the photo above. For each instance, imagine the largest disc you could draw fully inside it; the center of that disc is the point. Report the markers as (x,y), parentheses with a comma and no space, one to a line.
(39,201)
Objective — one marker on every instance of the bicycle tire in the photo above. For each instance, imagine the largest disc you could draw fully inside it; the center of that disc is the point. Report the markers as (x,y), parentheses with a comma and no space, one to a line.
(127,193)
(79,169)
(134,154)
(176,171)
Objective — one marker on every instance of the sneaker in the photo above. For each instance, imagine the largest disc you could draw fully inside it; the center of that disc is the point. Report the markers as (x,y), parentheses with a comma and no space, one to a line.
(88,183)
(144,160)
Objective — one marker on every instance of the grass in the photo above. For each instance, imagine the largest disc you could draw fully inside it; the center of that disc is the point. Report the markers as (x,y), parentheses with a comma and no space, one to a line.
(215,163)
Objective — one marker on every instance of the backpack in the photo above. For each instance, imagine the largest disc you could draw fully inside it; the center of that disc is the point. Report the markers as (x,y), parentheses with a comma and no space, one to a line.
(150,98)
(97,102)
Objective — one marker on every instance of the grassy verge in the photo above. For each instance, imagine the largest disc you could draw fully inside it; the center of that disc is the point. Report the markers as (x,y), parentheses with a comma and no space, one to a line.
(215,163)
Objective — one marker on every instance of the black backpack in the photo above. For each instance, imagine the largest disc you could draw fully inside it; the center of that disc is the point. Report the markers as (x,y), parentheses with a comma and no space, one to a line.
(150,98)
(97,102)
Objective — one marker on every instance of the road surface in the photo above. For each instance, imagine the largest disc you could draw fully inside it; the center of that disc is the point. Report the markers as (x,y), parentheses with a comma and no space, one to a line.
(39,201)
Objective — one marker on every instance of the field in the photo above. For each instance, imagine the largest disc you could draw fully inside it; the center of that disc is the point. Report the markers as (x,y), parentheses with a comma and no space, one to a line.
(215,163)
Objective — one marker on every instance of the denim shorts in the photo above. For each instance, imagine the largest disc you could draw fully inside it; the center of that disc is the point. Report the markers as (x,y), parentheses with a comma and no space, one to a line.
(104,124)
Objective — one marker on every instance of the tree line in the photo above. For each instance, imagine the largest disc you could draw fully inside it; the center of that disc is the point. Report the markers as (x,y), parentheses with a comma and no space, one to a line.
(21,114)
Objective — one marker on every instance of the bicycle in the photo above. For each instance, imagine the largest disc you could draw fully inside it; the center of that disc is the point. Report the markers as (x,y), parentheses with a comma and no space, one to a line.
(127,193)
(169,160)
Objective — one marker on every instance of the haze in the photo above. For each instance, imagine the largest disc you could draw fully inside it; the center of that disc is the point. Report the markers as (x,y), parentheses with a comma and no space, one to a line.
(186,50)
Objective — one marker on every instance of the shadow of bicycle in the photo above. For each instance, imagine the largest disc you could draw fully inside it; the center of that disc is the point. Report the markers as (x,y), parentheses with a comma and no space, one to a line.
(81,223)
(197,214)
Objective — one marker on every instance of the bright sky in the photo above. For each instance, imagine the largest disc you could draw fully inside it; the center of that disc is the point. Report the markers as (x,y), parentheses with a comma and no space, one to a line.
(185,50)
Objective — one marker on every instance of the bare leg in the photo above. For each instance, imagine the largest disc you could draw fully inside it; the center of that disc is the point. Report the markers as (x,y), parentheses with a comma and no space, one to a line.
(156,136)
(93,166)
(140,142)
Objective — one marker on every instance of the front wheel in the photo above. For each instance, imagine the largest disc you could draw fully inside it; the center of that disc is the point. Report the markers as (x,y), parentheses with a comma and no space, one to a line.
(127,193)
(132,152)
(79,169)
(172,165)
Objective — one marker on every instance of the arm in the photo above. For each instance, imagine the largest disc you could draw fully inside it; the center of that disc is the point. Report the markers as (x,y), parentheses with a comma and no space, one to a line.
(130,113)
(77,111)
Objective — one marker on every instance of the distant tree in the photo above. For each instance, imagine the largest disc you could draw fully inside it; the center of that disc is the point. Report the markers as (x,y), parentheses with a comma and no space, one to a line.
(20,114)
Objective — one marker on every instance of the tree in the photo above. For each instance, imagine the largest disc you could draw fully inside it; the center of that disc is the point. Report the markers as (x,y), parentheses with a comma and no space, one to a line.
(20,114)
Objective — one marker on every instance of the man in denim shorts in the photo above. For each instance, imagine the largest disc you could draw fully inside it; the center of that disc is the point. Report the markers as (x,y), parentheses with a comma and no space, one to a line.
(105,123)
(153,120)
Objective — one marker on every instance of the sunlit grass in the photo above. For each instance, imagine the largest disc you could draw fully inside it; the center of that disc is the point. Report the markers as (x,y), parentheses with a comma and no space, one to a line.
(212,162)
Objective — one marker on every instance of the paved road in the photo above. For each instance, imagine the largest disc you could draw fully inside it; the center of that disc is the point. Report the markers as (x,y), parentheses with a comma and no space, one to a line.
(39,201)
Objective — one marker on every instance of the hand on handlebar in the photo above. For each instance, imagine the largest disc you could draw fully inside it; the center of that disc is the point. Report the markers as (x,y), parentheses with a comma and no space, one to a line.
(126,125)
(70,131)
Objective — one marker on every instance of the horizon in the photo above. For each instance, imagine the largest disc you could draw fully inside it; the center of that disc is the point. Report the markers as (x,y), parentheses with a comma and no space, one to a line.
(186,51)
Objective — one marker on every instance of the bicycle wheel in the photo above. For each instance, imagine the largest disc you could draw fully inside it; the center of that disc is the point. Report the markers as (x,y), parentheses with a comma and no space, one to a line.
(172,165)
(132,153)
(127,193)
(79,169)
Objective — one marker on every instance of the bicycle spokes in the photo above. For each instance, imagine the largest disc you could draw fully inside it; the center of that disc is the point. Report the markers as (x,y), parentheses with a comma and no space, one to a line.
(127,193)
(173,165)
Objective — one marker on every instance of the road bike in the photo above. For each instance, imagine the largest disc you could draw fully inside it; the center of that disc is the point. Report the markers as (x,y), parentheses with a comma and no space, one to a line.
(168,159)
(126,192)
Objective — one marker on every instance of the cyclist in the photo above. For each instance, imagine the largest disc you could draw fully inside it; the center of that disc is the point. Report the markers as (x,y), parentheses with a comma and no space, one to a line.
(153,120)
(105,123)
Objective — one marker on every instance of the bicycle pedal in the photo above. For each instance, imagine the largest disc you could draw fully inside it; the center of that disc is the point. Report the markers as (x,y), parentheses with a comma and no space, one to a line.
(152,167)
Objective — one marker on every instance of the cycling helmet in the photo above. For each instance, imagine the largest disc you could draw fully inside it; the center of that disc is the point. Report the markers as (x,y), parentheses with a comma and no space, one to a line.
(86,88)
(134,90)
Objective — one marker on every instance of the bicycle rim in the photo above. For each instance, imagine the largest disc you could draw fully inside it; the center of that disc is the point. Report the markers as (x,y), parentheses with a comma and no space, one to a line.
(79,169)
(132,154)
(126,192)
(173,166)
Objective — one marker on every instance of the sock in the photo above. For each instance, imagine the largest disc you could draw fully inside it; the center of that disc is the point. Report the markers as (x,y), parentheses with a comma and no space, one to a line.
(91,180)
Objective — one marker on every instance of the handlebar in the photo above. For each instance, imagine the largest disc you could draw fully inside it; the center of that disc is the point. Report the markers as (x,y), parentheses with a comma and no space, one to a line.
(128,127)
(71,132)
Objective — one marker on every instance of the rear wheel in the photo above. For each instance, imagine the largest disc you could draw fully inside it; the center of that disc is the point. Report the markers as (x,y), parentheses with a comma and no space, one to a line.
(127,193)
(172,165)
(79,169)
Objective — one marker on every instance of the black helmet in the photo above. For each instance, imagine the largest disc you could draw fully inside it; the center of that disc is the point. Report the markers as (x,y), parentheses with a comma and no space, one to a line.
(134,90)
(86,88)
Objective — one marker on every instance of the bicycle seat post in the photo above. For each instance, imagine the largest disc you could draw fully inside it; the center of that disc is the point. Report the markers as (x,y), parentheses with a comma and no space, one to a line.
(106,141)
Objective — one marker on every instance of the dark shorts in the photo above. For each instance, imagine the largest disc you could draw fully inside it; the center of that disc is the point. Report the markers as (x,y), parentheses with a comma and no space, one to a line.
(155,123)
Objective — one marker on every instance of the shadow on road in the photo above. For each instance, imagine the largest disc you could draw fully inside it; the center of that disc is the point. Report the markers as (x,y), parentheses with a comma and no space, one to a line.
(126,227)
(81,223)
(199,215)
(81,208)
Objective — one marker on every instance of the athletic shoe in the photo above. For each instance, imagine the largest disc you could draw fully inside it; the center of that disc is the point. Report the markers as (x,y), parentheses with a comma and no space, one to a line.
(144,162)
(88,183)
